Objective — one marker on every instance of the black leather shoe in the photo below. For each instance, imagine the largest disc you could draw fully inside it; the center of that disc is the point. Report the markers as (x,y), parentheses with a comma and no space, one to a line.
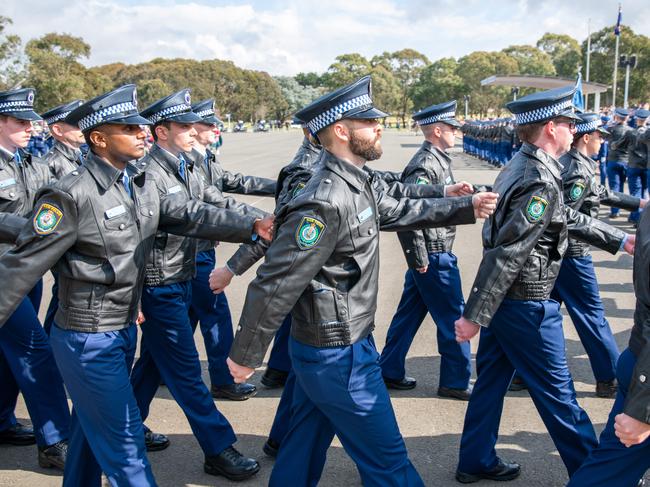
(606,388)
(404,384)
(234,392)
(271,448)
(460,394)
(231,464)
(642,483)
(517,384)
(154,441)
(17,435)
(53,456)
(503,471)
(274,378)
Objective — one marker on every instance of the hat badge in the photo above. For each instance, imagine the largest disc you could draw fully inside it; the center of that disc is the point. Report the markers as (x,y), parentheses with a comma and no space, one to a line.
(135,97)
(188,99)
(30,97)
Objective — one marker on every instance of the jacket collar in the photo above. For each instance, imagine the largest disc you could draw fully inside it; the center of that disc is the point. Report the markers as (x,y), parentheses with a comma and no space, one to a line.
(103,171)
(547,161)
(67,151)
(166,159)
(440,154)
(354,176)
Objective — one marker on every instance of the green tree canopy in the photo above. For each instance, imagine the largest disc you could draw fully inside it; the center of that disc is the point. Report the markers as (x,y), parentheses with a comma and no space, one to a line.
(439,82)
(12,61)
(530,60)
(565,53)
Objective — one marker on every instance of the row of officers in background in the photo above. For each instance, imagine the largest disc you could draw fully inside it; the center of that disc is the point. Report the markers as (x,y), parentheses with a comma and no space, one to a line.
(130,239)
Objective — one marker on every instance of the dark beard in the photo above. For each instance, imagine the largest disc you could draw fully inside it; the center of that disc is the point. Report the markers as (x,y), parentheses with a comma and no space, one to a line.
(369,150)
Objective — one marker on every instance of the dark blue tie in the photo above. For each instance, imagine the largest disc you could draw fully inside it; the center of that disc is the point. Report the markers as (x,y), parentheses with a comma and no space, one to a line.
(182,167)
(206,159)
(126,182)
(18,159)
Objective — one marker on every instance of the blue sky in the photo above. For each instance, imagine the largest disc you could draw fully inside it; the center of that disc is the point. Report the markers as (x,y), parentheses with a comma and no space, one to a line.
(285,37)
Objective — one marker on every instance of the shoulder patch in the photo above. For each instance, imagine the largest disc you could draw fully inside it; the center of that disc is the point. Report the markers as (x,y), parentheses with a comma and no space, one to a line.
(576,190)
(47,218)
(309,232)
(536,208)
(422,180)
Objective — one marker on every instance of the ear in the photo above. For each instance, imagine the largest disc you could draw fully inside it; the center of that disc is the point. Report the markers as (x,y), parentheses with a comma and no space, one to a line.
(98,139)
(437,131)
(56,129)
(550,128)
(161,132)
(341,131)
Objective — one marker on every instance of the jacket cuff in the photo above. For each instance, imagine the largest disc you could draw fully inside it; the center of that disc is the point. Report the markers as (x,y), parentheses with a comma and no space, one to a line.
(479,307)
(248,348)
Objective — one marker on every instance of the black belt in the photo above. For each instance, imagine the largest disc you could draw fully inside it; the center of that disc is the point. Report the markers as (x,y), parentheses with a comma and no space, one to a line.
(531,290)
(435,246)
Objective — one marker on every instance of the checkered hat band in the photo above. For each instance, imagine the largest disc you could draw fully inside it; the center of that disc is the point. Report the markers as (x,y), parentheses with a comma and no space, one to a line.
(543,113)
(57,117)
(99,116)
(584,128)
(168,112)
(205,113)
(441,117)
(337,112)
(16,106)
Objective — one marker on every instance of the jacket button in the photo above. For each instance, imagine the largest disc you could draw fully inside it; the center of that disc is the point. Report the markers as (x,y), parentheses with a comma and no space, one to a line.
(122,226)
(150,212)
(408,251)
(370,231)
(642,378)
(344,312)
(475,290)
(339,296)
(239,328)
(75,173)
(327,181)
(12,194)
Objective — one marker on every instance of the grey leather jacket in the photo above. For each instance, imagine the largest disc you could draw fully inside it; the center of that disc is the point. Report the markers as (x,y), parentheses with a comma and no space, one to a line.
(640,148)
(99,240)
(323,265)
(621,140)
(62,159)
(526,237)
(238,183)
(173,257)
(583,193)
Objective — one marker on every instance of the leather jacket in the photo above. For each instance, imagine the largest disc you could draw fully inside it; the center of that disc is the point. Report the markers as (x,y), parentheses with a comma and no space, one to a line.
(583,193)
(429,165)
(173,256)
(228,182)
(18,189)
(620,142)
(98,240)
(526,237)
(62,159)
(640,148)
(637,402)
(323,265)
(208,170)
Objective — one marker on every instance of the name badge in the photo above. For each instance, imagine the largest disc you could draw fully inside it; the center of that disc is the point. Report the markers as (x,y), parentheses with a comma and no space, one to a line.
(174,189)
(113,212)
(7,182)
(364,215)
(448,180)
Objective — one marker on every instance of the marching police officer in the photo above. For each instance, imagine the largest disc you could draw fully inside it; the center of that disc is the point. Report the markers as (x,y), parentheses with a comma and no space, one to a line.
(576,283)
(167,347)
(637,165)
(509,302)
(213,312)
(26,361)
(64,157)
(622,136)
(323,267)
(623,454)
(433,269)
(97,227)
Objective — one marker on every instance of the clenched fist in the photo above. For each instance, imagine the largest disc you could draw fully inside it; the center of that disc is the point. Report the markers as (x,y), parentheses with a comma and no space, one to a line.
(484,204)
(264,227)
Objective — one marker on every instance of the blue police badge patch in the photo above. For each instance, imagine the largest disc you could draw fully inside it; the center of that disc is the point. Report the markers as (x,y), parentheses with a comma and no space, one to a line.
(536,208)
(47,219)
(422,180)
(576,190)
(309,232)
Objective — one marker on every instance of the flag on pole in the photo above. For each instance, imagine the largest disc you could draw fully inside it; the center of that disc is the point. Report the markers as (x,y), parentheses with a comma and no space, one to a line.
(617,28)
(578,97)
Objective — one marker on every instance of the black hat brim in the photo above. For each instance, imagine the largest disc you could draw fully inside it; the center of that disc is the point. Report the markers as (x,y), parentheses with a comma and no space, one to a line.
(369,113)
(453,122)
(30,115)
(187,117)
(210,120)
(603,131)
(569,113)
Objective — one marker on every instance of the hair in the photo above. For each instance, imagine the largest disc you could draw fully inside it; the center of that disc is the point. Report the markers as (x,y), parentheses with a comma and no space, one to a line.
(164,123)
(531,131)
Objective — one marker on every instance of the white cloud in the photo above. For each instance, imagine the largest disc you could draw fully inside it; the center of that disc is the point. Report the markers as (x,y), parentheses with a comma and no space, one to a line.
(289,36)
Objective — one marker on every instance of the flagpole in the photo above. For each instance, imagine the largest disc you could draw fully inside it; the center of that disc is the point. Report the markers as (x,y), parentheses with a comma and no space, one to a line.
(588,58)
(617,32)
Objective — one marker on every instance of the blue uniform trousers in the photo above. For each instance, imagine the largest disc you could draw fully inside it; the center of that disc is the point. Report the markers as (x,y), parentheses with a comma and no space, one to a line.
(53,306)
(577,287)
(638,186)
(36,294)
(279,358)
(438,291)
(213,314)
(612,463)
(340,391)
(27,365)
(526,335)
(167,350)
(602,167)
(282,419)
(616,173)
(106,430)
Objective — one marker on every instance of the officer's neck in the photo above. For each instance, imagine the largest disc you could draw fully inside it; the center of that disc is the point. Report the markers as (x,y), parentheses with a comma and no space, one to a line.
(435,142)
(200,148)
(115,161)
(550,146)
(581,146)
(62,141)
(8,146)
(172,149)
(344,153)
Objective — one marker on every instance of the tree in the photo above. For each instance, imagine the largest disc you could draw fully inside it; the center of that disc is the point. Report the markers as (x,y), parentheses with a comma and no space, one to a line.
(565,53)
(439,82)
(530,60)
(12,60)
(296,95)
(54,69)
(310,79)
(346,69)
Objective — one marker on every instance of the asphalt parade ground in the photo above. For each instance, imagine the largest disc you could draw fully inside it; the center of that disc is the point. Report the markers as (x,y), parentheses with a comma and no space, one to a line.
(430,425)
